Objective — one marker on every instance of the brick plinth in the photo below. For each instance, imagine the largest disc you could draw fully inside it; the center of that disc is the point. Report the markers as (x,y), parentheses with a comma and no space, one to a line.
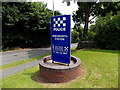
(54,74)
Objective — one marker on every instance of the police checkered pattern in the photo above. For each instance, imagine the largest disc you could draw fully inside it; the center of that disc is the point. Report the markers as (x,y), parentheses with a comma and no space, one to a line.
(59,22)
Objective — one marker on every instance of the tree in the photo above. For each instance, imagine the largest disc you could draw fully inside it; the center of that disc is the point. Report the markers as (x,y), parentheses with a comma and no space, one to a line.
(26,24)
(108,32)
(87,9)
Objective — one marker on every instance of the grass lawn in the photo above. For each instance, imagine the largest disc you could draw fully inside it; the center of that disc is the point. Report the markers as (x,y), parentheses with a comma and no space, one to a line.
(100,70)
(20,62)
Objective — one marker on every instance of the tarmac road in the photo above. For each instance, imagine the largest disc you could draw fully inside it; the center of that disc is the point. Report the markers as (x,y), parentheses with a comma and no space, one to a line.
(17,55)
(13,56)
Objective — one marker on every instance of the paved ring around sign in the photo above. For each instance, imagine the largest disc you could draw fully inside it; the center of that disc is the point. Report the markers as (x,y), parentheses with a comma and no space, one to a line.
(76,60)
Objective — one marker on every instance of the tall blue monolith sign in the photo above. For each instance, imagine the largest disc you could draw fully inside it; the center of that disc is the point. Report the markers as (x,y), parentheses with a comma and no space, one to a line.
(61,38)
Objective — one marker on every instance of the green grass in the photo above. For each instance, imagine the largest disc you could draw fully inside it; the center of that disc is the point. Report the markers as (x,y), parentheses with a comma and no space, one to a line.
(100,70)
(73,48)
(20,62)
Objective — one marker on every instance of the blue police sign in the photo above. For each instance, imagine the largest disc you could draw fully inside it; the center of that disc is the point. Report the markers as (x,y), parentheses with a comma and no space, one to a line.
(60,38)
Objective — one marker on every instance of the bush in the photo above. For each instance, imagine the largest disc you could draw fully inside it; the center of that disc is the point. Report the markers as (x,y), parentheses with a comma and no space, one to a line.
(77,33)
(108,32)
(90,36)
(75,36)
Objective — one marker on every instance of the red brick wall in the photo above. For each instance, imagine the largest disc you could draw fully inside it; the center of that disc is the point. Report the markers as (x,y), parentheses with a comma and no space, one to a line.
(59,75)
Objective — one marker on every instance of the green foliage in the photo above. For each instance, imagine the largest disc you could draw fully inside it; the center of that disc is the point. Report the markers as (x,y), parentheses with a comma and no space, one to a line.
(75,36)
(91,33)
(26,24)
(87,9)
(92,28)
(90,36)
(77,33)
(108,32)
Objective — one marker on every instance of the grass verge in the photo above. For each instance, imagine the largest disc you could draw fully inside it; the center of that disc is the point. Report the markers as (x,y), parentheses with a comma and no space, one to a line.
(100,71)
(20,62)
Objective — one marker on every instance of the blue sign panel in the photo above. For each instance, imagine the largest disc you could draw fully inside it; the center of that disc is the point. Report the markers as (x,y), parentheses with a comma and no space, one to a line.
(60,38)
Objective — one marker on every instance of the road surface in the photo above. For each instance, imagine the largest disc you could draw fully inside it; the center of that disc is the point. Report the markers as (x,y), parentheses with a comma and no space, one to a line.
(9,57)
(17,55)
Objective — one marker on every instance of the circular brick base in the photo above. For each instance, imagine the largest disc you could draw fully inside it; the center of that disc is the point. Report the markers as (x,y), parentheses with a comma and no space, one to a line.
(57,73)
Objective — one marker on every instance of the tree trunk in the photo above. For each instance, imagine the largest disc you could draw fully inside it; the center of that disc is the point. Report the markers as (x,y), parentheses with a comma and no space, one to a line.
(85,31)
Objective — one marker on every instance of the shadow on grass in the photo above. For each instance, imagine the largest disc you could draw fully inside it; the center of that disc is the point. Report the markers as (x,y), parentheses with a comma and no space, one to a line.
(35,77)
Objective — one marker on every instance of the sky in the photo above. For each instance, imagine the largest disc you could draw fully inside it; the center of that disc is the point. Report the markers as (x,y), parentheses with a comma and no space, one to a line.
(62,7)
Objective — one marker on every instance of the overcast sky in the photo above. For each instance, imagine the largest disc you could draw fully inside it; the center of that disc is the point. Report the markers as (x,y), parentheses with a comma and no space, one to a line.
(62,7)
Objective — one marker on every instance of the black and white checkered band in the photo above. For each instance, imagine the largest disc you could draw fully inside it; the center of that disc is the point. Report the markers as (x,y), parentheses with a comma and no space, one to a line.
(59,22)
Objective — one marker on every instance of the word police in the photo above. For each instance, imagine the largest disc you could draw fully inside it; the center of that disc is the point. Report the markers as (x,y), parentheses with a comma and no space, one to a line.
(59,29)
